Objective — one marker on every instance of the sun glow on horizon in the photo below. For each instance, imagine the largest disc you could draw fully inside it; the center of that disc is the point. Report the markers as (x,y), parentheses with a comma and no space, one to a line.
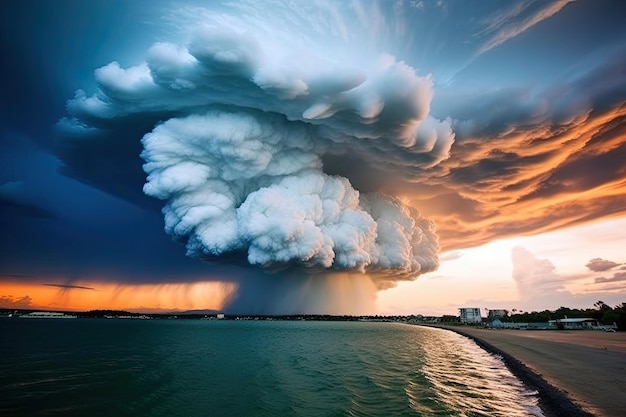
(483,275)
(85,295)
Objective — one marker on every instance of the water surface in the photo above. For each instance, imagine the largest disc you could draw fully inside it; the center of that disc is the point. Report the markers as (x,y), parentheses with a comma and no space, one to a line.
(99,367)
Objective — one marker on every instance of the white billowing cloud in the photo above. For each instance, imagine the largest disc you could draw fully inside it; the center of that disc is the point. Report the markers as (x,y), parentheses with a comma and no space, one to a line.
(536,279)
(239,182)
(247,114)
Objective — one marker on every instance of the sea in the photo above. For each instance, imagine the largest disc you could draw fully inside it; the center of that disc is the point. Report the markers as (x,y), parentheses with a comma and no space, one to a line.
(117,367)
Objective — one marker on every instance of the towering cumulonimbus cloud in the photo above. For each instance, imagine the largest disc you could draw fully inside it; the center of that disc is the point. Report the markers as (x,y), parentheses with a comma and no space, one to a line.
(244,117)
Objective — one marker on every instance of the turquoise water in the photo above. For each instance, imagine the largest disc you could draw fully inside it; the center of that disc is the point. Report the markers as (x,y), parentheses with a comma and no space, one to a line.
(91,367)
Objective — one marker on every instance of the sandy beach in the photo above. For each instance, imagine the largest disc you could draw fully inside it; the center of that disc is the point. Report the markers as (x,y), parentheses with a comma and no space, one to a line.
(588,366)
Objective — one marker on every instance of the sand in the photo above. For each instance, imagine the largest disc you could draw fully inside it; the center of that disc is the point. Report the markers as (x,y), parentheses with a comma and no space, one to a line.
(576,372)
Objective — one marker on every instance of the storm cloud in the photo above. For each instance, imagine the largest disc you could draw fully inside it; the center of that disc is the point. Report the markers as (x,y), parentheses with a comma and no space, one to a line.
(301,139)
(246,117)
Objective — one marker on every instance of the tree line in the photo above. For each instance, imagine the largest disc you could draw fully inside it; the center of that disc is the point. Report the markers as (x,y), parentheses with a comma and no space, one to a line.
(601,311)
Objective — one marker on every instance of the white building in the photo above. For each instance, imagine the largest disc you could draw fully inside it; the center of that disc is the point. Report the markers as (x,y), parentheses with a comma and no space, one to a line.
(470,315)
(576,324)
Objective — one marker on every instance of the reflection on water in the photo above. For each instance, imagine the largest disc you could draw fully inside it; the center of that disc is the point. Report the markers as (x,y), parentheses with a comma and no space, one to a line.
(465,377)
(228,368)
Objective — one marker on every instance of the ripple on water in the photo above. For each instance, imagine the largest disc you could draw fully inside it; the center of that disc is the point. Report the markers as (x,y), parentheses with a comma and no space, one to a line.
(466,377)
(204,368)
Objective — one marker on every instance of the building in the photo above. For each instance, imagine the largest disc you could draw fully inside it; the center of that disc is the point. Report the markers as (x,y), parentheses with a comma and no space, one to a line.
(576,324)
(497,313)
(470,315)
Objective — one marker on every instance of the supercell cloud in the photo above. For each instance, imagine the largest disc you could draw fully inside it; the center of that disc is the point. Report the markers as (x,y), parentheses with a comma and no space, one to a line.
(241,117)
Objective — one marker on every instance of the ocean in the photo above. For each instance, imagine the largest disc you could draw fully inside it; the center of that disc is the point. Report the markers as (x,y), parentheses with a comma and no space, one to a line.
(116,367)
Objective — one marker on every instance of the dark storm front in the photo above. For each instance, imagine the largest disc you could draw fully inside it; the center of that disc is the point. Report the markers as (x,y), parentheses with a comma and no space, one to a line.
(259,368)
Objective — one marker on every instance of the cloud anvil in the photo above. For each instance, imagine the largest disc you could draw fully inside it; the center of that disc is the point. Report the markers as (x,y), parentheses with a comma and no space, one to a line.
(238,152)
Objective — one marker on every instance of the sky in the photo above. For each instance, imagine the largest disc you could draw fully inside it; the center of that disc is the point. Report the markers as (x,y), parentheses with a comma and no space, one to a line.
(349,157)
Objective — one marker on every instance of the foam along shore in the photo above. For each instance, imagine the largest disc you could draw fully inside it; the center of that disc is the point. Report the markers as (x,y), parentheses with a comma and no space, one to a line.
(576,372)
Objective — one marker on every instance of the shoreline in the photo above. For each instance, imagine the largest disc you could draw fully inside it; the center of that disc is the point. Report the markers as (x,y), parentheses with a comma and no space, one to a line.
(577,373)
(552,401)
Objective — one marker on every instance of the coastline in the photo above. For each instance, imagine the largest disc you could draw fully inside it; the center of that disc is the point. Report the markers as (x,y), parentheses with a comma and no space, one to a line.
(577,373)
